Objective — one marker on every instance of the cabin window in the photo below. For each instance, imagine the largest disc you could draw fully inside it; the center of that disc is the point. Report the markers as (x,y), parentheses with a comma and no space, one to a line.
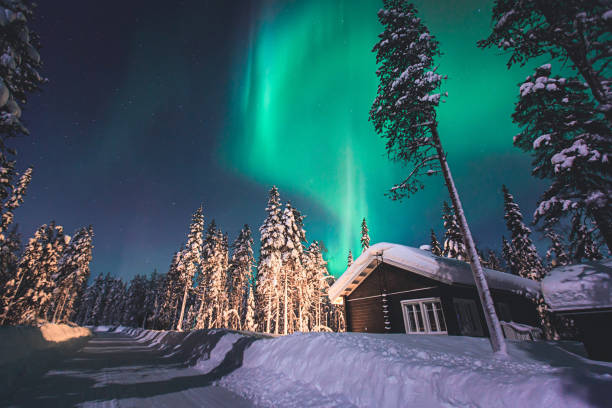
(468,317)
(422,316)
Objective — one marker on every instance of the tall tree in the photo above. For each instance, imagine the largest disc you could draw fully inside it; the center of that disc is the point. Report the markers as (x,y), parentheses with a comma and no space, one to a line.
(270,261)
(524,258)
(566,122)
(582,243)
(436,248)
(556,254)
(241,274)
(365,236)
(404,112)
(190,261)
(453,238)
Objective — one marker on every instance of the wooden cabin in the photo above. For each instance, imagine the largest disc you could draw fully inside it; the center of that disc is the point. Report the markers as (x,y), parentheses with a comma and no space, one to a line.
(393,288)
(583,292)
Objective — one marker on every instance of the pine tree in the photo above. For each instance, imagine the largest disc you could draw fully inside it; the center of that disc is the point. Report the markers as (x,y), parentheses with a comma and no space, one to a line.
(453,239)
(524,258)
(19,66)
(404,112)
(241,273)
(349,260)
(556,254)
(566,122)
(249,317)
(190,262)
(436,249)
(582,243)
(171,292)
(494,262)
(270,262)
(365,237)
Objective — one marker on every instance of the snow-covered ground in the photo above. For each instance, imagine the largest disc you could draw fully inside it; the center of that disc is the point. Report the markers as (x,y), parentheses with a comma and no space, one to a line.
(27,350)
(135,367)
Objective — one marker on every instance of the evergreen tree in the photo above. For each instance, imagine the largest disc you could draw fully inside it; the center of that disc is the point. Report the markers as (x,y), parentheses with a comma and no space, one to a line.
(190,262)
(523,258)
(566,122)
(249,316)
(293,280)
(436,249)
(349,260)
(171,294)
(270,262)
(556,254)
(365,237)
(582,243)
(453,239)
(404,112)
(494,262)
(241,273)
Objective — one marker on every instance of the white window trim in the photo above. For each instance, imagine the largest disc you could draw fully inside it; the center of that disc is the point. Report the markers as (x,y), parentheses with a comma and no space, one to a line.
(424,315)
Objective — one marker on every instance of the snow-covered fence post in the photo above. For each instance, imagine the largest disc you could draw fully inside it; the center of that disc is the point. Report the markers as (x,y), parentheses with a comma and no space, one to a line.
(404,112)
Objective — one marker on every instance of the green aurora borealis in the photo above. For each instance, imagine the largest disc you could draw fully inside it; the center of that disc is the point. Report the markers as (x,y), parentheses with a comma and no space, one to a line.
(301,95)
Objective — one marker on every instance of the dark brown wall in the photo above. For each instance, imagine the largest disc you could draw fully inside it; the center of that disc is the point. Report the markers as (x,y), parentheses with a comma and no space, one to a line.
(367,314)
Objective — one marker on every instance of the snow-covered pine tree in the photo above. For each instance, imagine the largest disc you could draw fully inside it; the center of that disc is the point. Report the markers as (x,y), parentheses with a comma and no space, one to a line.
(436,248)
(365,235)
(19,65)
(241,273)
(566,122)
(508,255)
(88,307)
(494,262)
(453,239)
(574,31)
(101,287)
(404,112)
(77,264)
(556,255)
(28,293)
(582,243)
(524,258)
(292,281)
(270,263)
(190,262)
(249,316)
(172,294)
(349,260)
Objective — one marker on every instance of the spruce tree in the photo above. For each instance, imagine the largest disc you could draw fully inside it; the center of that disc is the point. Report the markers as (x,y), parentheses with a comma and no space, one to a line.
(250,323)
(524,258)
(365,236)
(172,292)
(453,239)
(556,254)
(494,262)
(566,121)
(292,283)
(190,262)
(404,112)
(270,262)
(349,260)
(582,243)
(436,249)
(241,273)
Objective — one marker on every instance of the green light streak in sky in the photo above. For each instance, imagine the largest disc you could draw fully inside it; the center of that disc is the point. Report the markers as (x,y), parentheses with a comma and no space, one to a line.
(300,115)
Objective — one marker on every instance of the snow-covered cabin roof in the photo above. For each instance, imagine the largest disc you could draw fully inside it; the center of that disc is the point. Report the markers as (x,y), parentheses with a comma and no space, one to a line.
(580,286)
(424,263)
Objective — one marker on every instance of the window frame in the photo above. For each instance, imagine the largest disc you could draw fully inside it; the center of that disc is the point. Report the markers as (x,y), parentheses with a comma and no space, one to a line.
(420,303)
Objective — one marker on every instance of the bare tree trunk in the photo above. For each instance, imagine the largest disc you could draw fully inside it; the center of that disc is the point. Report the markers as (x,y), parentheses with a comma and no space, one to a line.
(285,311)
(179,325)
(269,312)
(495,331)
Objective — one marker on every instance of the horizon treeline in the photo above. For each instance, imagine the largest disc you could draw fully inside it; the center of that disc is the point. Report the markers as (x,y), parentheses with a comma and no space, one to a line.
(212,284)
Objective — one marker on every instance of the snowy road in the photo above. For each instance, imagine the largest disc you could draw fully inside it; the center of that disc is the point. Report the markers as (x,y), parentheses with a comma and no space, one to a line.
(114,370)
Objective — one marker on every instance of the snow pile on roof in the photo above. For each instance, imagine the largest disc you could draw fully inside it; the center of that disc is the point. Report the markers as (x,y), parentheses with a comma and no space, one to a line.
(373,370)
(581,286)
(426,264)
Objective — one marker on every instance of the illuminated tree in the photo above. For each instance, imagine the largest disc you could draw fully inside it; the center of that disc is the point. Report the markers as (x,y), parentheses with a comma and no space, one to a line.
(404,112)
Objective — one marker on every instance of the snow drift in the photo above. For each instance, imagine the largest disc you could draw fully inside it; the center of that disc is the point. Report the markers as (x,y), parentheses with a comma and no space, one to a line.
(372,370)
(25,350)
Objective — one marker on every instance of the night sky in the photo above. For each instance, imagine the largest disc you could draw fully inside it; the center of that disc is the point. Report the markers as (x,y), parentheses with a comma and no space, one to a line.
(153,107)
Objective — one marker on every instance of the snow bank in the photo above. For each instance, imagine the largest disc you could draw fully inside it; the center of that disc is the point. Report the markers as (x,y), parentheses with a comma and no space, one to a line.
(369,370)
(26,350)
(581,286)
